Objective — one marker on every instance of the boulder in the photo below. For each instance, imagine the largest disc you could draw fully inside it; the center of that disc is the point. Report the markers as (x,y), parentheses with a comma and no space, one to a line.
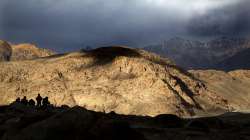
(72,124)
(5,51)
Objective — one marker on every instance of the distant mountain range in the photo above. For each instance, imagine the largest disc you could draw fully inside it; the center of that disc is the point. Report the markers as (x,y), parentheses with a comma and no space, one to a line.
(239,61)
(222,53)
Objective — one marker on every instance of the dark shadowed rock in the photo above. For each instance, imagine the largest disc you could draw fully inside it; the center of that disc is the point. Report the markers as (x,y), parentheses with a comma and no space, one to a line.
(71,124)
(18,107)
(213,122)
(115,130)
(168,121)
(80,124)
(198,125)
(3,108)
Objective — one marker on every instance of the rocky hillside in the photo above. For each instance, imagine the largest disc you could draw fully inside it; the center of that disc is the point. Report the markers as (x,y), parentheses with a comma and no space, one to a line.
(5,51)
(28,51)
(17,52)
(201,55)
(233,86)
(120,79)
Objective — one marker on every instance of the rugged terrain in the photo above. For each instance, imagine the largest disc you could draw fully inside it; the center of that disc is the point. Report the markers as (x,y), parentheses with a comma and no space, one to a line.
(234,86)
(25,51)
(28,51)
(5,51)
(120,79)
(20,122)
(221,53)
(140,86)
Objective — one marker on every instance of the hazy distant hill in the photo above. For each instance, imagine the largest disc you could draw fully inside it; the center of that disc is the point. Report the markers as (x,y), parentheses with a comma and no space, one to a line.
(198,55)
(240,60)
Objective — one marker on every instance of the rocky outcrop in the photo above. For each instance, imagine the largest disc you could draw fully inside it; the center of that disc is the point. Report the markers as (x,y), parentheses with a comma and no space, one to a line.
(233,86)
(28,51)
(12,52)
(19,122)
(5,51)
(120,79)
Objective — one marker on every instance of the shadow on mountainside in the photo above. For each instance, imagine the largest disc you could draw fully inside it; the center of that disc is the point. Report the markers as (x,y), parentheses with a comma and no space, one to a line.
(106,55)
(185,88)
(53,56)
(21,122)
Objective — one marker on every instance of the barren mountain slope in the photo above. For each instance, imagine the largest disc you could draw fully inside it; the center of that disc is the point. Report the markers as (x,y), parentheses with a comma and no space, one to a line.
(234,86)
(119,79)
(28,51)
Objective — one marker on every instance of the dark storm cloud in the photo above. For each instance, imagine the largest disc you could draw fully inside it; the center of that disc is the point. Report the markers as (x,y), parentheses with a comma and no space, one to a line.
(71,24)
(233,20)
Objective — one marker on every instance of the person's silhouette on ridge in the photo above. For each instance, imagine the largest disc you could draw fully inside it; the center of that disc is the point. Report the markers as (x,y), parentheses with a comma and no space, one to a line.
(32,102)
(46,102)
(39,100)
(18,100)
(24,100)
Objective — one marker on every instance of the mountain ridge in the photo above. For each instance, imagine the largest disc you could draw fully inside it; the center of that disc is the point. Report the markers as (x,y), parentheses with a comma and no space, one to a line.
(23,51)
(114,78)
(238,61)
(200,55)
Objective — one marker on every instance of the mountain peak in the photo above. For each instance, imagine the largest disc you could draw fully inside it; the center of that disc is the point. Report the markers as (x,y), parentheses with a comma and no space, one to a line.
(114,78)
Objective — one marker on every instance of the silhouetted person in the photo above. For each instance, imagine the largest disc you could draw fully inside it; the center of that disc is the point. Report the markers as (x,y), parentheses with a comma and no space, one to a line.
(45,102)
(18,100)
(32,102)
(39,100)
(24,100)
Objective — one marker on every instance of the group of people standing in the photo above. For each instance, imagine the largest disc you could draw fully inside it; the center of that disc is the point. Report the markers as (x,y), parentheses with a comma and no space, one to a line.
(40,101)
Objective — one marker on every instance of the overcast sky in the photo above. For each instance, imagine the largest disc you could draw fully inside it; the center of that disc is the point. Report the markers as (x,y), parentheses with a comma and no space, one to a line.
(65,25)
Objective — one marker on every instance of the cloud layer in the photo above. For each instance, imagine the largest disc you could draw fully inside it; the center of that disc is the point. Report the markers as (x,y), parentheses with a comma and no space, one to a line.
(71,24)
(232,20)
